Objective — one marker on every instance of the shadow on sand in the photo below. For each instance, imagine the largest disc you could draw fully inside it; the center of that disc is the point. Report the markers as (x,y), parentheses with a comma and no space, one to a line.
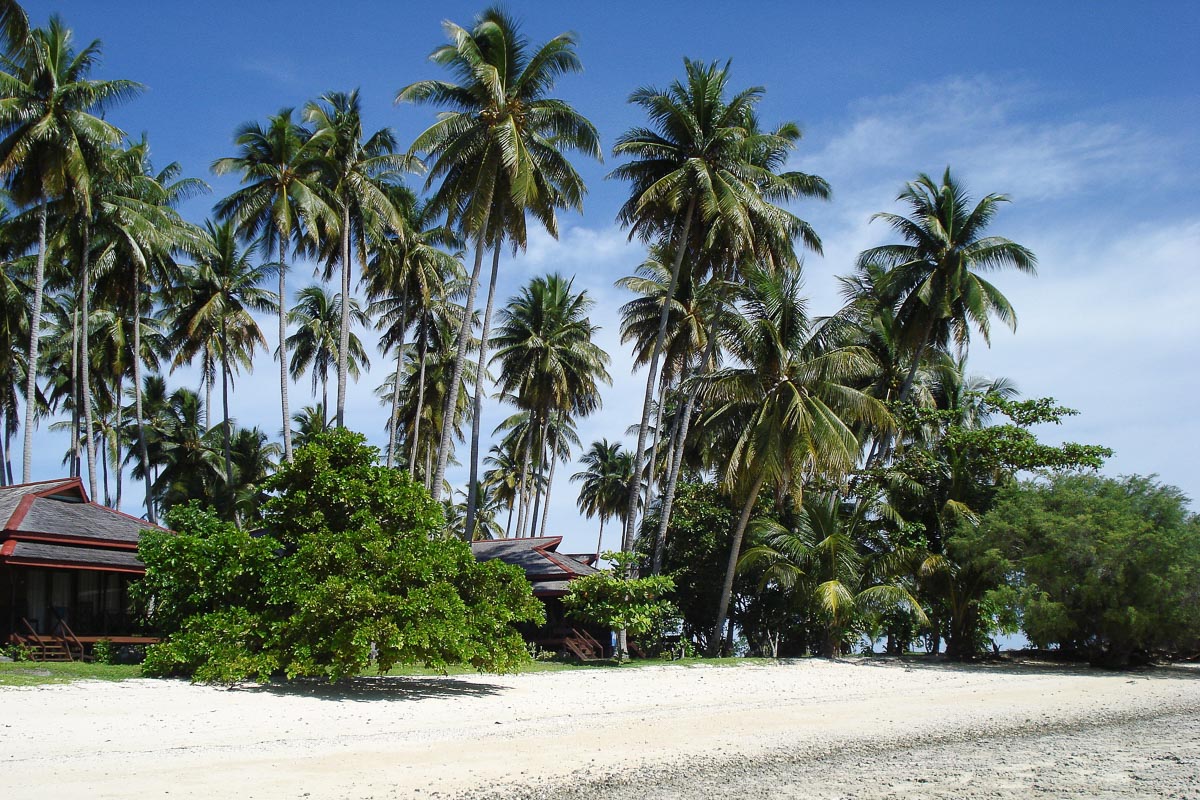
(370,689)
(1017,665)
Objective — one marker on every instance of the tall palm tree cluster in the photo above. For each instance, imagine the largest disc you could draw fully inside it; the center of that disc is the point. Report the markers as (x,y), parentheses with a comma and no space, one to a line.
(107,290)
(795,416)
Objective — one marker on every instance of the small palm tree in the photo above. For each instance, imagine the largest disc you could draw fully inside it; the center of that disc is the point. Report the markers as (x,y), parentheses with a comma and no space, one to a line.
(503,478)
(214,311)
(821,556)
(316,344)
(311,422)
(604,482)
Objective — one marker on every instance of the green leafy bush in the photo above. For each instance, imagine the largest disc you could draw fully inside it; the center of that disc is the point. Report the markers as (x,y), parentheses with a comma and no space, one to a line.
(1105,568)
(614,600)
(352,571)
(103,652)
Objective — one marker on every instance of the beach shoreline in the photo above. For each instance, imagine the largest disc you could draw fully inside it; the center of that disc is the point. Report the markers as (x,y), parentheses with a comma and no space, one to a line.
(871,727)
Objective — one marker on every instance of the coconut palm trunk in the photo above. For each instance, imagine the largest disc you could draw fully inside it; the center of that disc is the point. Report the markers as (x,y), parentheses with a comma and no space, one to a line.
(77,403)
(393,420)
(600,538)
(104,472)
(882,448)
(117,425)
(460,359)
(35,330)
(735,549)
(85,288)
(477,408)
(656,354)
(676,465)
(524,488)
(283,362)
(662,394)
(550,477)
(227,434)
(143,451)
(412,458)
(344,332)
(674,449)
(541,468)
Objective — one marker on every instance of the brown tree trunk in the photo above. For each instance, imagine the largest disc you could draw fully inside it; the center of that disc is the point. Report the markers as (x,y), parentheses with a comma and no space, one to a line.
(651,378)
(344,331)
(35,330)
(283,365)
(735,550)
(477,407)
(85,356)
(464,338)
(395,415)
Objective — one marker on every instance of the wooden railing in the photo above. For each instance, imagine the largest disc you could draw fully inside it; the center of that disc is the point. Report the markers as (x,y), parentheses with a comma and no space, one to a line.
(51,647)
(70,641)
(583,645)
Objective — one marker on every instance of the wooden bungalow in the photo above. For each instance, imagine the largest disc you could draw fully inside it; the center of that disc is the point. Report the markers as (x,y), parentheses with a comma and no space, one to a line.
(65,568)
(550,573)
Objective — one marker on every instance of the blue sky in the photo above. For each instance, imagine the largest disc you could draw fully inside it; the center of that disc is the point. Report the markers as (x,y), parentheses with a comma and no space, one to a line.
(1084,113)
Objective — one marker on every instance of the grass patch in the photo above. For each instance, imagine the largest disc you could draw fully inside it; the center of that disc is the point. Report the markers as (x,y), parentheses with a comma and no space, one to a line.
(35,673)
(566,666)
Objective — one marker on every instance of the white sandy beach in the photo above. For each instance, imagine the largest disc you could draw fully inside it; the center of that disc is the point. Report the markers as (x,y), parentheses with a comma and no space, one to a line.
(804,729)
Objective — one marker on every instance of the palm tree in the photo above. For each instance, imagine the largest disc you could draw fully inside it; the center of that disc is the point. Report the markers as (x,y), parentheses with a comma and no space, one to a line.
(788,405)
(700,166)
(425,384)
(503,478)
(934,279)
(137,232)
(214,312)
(604,483)
(14,25)
(279,202)
(14,337)
(254,459)
(550,367)
(190,465)
(498,155)
(406,277)
(821,555)
(356,167)
(316,344)
(52,134)
(311,421)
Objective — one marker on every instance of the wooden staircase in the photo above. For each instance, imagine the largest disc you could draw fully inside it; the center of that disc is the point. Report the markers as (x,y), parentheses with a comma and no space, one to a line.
(62,645)
(583,645)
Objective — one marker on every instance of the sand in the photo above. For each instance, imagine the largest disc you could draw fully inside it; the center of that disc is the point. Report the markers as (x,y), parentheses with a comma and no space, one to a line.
(813,728)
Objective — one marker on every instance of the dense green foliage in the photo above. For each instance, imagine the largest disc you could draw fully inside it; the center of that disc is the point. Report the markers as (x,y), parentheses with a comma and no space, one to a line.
(698,536)
(1105,568)
(352,572)
(803,482)
(618,600)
